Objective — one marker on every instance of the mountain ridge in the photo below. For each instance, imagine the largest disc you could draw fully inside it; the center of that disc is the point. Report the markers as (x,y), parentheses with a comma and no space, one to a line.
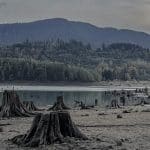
(66,30)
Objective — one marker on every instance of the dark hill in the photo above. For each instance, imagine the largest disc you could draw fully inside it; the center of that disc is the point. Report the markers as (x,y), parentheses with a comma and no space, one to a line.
(66,30)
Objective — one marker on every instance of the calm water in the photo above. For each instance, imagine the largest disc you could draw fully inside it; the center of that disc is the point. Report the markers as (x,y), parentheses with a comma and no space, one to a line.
(44,98)
(46,95)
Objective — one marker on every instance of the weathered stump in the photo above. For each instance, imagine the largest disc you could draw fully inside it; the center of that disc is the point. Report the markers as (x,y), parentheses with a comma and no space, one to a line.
(123,100)
(59,104)
(96,102)
(12,107)
(29,105)
(114,104)
(49,128)
(1,130)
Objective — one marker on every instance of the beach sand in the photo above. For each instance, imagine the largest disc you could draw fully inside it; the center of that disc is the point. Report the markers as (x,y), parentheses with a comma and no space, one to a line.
(102,127)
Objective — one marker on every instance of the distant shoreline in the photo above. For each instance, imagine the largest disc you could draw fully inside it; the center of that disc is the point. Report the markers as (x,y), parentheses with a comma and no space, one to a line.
(72,87)
(96,84)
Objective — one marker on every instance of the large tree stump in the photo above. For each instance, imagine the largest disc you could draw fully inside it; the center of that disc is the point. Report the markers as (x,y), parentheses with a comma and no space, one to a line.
(29,105)
(49,128)
(12,107)
(59,104)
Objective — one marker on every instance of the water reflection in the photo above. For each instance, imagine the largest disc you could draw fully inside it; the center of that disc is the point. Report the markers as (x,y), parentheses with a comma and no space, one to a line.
(43,98)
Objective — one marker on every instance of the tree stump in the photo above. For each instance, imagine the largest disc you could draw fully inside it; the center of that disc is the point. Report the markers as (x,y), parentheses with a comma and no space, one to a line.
(96,102)
(123,100)
(59,104)
(29,105)
(114,104)
(49,128)
(1,130)
(12,107)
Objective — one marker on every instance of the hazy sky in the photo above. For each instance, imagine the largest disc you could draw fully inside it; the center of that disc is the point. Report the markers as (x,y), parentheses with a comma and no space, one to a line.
(132,14)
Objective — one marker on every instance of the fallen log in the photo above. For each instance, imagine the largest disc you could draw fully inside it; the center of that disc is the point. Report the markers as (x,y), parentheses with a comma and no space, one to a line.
(142,103)
(87,107)
(49,128)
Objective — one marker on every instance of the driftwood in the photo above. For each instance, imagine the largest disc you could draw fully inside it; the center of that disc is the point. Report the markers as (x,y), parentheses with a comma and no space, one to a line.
(119,116)
(29,105)
(59,104)
(49,128)
(12,107)
(83,106)
(126,111)
(143,102)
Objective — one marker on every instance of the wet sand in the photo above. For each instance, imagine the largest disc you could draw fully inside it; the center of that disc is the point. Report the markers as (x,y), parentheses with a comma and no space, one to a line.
(102,127)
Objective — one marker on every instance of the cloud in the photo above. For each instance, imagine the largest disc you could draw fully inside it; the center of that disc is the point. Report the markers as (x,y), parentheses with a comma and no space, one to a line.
(3,4)
(132,14)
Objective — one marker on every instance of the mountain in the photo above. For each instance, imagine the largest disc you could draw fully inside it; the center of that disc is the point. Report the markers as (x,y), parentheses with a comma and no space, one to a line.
(66,30)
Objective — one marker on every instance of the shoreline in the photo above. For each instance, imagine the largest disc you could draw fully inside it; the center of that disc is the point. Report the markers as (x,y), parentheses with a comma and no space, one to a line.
(74,86)
(63,83)
(66,88)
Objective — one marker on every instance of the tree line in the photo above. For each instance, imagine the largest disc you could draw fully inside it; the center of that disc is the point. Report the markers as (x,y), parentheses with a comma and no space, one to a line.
(33,70)
(56,60)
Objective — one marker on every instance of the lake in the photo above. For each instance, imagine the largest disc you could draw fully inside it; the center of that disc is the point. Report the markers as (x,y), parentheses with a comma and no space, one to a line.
(46,95)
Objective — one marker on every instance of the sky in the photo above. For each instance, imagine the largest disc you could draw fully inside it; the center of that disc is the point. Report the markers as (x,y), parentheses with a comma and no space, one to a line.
(129,14)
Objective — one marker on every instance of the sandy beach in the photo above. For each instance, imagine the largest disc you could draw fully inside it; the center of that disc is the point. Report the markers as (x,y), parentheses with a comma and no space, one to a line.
(102,127)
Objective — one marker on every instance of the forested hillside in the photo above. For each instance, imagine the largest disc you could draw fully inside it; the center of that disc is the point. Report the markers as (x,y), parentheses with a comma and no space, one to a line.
(31,70)
(73,61)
